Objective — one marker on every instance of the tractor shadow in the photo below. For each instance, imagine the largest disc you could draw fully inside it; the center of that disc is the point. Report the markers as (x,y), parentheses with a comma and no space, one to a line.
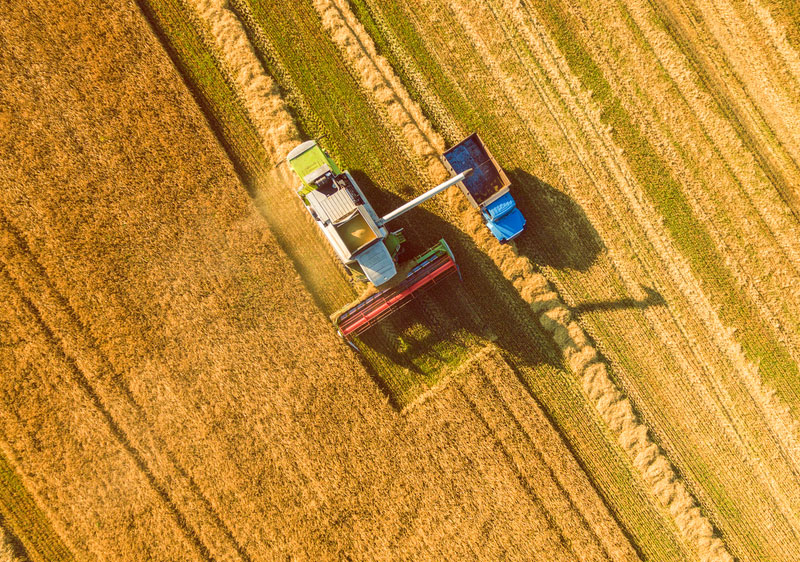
(558,234)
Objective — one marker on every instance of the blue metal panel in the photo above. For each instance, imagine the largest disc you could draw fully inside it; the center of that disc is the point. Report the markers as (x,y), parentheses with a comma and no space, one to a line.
(508,226)
(501,206)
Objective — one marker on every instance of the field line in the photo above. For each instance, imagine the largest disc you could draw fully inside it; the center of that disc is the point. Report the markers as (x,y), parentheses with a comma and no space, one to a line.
(777,36)
(614,407)
(773,232)
(529,462)
(540,432)
(20,511)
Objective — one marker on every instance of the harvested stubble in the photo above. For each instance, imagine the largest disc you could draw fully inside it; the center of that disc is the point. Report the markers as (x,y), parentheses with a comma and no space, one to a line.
(553,315)
(727,33)
(733,402)
(778,425)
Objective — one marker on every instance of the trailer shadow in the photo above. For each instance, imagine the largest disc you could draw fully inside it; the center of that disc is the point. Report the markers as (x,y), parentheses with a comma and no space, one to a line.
(558,233)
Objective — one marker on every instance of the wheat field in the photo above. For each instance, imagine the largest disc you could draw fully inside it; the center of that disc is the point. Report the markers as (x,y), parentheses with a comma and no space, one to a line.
(620,383)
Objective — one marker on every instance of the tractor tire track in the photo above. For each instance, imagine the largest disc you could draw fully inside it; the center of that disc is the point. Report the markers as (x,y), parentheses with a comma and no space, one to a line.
(758,69)
(752,210)
(777,36)
(83,383)
(784,291)
(533,459)
(97,378)
(716,328)
(616,410)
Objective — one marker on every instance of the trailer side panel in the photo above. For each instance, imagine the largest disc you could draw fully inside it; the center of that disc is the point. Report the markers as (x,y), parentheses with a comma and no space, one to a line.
(487,179)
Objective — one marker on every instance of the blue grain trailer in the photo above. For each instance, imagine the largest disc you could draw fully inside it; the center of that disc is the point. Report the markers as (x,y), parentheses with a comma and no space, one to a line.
(487,188)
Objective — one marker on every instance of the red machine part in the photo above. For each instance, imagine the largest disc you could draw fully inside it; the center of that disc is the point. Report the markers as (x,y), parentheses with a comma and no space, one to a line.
(376,307)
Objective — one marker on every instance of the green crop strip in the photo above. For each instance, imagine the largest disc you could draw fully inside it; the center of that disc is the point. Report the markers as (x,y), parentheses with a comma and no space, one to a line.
(24,518)
(691,237)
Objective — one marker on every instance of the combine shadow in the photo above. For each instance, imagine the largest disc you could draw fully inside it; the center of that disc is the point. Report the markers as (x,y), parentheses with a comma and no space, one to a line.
(450,320)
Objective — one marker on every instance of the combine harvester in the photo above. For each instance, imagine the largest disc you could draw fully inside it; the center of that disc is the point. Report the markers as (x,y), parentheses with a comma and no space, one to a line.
(487,188)
(361,240)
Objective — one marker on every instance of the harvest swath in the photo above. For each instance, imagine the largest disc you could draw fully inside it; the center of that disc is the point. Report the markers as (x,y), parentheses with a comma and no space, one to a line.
(621,383)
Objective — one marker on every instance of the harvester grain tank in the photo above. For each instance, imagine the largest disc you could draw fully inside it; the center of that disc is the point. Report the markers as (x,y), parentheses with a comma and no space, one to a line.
(487,188)
(361,240)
